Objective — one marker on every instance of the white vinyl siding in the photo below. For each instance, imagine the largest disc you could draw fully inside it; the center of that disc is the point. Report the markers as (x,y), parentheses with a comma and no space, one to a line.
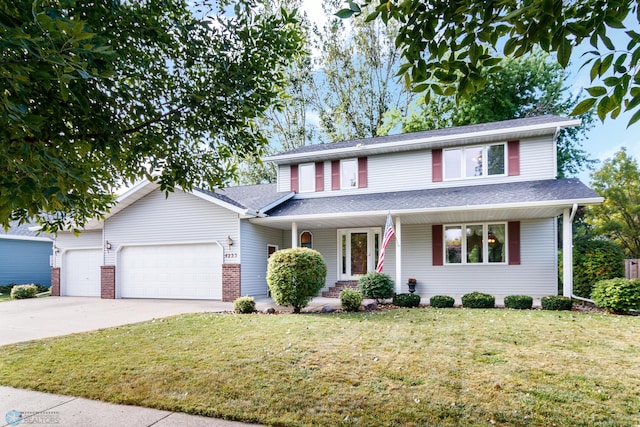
(284,178)
(253,271)
(181,217)
(86,239)
(537,274)
(412,170)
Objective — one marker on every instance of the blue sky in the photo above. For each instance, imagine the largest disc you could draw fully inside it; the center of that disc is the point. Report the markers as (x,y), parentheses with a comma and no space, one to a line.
(604,139)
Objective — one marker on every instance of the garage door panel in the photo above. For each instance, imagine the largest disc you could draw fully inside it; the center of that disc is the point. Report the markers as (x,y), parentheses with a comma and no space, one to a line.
(81,272)
(188,271)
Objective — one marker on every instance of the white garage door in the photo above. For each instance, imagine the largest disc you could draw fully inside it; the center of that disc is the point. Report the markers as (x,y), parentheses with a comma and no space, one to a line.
(187,271)
(80,272)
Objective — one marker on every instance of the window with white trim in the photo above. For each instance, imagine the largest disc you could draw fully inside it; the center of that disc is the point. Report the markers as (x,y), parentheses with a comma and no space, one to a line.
(473,162)
(307,178)
(306,240)
(348,173)
(475,243)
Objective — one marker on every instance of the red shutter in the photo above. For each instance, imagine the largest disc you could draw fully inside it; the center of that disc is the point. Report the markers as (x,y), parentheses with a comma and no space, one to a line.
(436,238)
(513,151)
(362,172)
(294,178)
(319,176)
(335,175)
(514,242)
(436,165)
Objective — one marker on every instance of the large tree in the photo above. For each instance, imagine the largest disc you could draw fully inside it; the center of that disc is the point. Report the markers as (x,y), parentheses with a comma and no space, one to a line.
(97,94)
(450,47)
(618,217)
(527,86)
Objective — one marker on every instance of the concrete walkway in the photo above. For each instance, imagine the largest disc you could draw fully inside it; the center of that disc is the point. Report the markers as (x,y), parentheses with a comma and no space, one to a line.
(24,407)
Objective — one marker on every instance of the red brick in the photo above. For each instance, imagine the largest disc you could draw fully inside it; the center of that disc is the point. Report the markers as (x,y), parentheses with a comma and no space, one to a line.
(108,282)
(55,281)
(230,282)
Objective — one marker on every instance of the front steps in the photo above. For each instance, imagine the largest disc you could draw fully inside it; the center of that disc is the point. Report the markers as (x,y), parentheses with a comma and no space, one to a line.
(334,291)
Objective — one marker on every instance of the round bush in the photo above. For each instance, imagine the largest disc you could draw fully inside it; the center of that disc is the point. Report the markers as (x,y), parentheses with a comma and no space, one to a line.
(478,300)
(244,305)
(441,301)
(617,295)
(406,300)
(378,286)
(556,302)
(519,302)
(595,260)
(24,291)
(295,276)
(351,300)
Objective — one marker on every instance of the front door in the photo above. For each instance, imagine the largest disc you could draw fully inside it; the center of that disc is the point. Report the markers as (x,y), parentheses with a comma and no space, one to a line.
(357,252)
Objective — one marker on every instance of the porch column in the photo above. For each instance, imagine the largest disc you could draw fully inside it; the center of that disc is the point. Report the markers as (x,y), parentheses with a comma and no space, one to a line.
(567,253)
(294,234)
(398,255)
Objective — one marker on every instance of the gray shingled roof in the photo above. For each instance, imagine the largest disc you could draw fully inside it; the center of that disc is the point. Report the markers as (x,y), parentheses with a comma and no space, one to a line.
(21,230)
(253,197)
(490,194)
(458,130)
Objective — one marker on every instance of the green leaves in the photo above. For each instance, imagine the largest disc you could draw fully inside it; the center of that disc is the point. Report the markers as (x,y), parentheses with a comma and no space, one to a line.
(100,94)
(455,39)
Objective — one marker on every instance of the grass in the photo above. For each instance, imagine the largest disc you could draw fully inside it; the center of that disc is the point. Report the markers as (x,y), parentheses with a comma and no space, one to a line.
(5,297)
(441,367)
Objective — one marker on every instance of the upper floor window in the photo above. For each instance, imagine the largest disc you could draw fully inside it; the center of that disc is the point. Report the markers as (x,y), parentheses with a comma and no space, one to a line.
(476,161)
(307,177)
(475,243)
(349,173)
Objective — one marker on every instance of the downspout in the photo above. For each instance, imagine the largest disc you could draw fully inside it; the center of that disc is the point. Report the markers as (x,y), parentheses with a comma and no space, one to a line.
(574,209)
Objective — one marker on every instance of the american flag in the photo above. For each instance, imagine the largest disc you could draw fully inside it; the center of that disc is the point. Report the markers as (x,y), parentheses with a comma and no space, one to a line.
(388,235)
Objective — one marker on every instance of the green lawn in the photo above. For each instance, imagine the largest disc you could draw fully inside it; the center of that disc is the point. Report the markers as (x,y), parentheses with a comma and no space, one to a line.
(5,297)
(397,367)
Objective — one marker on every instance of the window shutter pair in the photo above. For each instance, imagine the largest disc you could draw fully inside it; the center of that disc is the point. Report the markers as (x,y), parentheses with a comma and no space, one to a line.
(295,180)
(362,173)
(513,161)
(513,234)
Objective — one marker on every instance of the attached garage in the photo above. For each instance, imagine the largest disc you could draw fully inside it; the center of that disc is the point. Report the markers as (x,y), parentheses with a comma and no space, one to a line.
(81,272)
(175,271)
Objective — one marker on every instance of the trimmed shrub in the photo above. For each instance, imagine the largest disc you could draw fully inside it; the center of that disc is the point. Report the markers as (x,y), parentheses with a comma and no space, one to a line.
(595,260)
(24,291)
(295,276)
(441,301)
(519,302)
(378,286)
(6,289)
(406,300)
(244,305)
(617,295)
(556,302)
(478,300)
(351,300)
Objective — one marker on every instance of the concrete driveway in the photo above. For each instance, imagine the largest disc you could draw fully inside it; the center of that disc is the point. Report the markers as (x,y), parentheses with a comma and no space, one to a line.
(30,319)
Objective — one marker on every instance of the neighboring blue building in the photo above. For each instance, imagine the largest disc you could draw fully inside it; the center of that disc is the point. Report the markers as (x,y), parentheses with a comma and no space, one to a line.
(24,256)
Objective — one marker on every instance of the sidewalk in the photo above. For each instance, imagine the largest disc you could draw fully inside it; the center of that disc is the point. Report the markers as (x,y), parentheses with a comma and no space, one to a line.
(25,407)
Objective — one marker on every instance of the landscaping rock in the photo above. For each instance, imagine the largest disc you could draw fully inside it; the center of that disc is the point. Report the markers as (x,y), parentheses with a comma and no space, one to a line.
(269,310)
(371,306)
(328,309)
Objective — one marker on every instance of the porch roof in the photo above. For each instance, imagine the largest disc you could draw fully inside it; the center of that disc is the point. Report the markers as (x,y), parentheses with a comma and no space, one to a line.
(506,201)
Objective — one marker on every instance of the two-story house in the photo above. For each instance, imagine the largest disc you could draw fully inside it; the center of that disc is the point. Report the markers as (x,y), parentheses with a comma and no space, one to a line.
(474,208)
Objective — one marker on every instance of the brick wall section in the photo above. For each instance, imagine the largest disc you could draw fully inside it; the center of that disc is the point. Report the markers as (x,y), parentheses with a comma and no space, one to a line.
(230,282)
(55,281)
(108,282)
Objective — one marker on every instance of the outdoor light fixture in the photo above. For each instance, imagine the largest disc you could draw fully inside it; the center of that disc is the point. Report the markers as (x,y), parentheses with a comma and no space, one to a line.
(229,241)
(108,245)
(56,250)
